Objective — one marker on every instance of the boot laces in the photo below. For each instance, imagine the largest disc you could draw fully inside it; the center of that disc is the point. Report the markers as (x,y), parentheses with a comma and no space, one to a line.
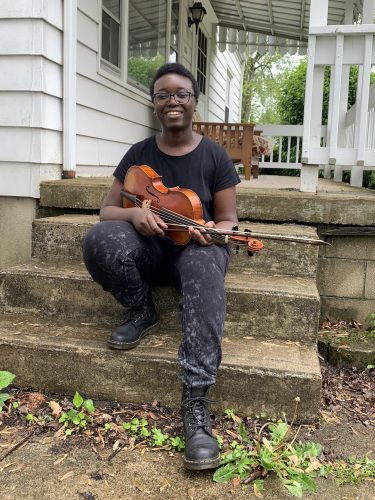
(139,314)
(197,412)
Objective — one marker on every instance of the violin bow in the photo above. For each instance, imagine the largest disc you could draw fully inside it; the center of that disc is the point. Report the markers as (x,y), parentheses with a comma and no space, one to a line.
(250,233)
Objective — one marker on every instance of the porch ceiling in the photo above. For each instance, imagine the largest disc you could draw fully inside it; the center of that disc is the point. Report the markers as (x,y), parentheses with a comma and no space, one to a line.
(283,18)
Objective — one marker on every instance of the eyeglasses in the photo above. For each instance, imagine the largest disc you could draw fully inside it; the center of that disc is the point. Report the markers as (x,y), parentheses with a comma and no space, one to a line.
(181,97)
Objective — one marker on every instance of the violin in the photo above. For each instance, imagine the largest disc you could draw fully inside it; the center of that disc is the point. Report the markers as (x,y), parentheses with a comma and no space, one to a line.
(179,208)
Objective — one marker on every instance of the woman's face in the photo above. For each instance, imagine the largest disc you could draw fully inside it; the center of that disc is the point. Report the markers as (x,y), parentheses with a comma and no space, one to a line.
(173,115)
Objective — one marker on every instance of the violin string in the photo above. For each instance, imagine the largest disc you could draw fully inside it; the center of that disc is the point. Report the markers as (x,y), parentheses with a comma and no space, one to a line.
(173,217)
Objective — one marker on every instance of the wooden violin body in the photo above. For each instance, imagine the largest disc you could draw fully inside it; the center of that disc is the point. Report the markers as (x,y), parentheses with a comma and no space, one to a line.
(143,182)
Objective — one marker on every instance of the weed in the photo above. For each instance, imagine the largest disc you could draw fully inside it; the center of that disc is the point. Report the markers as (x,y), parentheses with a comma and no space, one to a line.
(154,437)
(295,464)
(158,438)
(371,322)
(136,426)
(6,378)
(77,417)
(353,471)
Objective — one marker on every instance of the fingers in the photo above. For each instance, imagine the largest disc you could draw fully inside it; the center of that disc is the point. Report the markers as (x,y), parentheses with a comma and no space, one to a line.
(200,236)
(149,224)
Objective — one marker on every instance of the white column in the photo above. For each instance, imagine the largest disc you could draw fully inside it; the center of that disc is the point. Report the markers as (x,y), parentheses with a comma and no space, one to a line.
(69,89)
(341,138)
(313,102)
(356,177)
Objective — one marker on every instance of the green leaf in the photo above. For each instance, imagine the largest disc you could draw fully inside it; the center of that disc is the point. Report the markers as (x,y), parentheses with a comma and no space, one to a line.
(225,473)
(6,378)
(145,432)
(370,367)
(266,459)
(294,487)
(89,405)
(158,437)
(3,397)
(72,413)
(77,400)
(307,483)
(242,431)
(278,431)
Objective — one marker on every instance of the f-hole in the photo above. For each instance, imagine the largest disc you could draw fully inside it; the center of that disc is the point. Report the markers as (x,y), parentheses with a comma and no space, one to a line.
(152,194)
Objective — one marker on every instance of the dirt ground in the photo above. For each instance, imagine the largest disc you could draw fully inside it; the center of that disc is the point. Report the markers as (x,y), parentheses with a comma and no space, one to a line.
(47,466)
(43,469)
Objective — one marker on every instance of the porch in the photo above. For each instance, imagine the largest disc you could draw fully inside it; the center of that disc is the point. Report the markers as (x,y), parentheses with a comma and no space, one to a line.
(336,35)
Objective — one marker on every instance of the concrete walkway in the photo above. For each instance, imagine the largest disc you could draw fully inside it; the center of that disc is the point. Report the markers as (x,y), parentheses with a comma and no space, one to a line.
(284,182)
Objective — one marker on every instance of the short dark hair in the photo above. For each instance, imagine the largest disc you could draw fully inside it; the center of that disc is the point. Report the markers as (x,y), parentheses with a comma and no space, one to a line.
(179,70)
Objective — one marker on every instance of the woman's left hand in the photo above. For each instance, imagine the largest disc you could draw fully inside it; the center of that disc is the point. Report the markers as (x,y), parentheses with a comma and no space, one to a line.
(202,238)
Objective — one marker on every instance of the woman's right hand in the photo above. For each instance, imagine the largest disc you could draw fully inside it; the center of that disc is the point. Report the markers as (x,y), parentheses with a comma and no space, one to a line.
(147,223)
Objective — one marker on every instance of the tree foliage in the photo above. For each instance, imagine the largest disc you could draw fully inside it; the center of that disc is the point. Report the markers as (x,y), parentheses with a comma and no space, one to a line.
(291,96)
(260,88)
(142,69)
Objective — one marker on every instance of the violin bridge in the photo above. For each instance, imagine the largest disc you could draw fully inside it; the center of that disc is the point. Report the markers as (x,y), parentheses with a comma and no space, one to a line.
(146,204)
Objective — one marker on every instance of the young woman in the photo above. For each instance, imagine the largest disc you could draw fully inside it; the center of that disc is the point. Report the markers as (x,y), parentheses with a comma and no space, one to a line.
(126,251)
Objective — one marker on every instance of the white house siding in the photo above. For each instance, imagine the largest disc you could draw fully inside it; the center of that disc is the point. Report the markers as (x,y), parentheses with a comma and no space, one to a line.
(221,64)
(111,115)
(30,94)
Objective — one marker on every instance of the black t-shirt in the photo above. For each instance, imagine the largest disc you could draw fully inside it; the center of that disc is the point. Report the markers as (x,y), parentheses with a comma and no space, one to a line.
(205,170)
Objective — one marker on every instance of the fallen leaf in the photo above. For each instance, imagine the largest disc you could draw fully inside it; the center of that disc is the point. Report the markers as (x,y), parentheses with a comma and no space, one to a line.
(165,484)
(191,493)
(6,466)
(236,481)
(18,468)
(61,459)
(55,407)
(138,486)
(66,476)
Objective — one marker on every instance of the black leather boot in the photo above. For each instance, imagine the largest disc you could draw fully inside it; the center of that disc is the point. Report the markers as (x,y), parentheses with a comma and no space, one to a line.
(201,448)
(141,321)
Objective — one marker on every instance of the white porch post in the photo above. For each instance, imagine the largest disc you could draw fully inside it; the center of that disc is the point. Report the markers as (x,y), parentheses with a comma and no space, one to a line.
(313,102)
(343,106)
(356,176)
(69,89)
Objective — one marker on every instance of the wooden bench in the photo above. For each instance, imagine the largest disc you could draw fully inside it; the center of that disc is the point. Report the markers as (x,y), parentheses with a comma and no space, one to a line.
(235,138)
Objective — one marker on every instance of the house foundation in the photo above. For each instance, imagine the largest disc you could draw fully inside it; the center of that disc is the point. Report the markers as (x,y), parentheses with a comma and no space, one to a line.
(16,217)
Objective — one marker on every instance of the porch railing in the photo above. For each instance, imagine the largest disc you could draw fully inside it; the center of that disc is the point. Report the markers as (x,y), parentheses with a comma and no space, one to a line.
(350,137)
(286,146)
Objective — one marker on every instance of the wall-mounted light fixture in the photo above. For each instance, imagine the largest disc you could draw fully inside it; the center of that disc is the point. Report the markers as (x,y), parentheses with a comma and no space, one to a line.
(197,14)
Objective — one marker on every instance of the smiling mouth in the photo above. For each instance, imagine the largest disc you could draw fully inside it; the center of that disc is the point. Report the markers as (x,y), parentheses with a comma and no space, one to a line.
(173,113)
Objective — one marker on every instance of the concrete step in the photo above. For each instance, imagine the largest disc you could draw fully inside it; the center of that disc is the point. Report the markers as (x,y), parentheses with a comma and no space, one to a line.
(60,238)
(282,307)
(262,199)
(61,356)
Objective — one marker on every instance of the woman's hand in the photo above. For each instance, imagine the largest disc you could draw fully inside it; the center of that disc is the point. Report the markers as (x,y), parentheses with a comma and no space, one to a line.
(202,238)
(147,223)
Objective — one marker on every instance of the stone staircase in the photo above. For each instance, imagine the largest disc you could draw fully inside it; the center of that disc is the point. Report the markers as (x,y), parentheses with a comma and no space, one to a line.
(54,320)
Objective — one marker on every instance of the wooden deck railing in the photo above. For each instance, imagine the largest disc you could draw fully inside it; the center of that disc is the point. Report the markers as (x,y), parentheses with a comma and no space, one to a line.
(235,138)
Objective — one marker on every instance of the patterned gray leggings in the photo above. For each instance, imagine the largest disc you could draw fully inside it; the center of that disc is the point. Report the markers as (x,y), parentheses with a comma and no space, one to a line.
(125,263)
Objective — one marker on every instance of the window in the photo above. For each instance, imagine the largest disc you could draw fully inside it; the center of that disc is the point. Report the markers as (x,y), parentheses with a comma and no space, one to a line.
(111,23)
(147,40)
(202,62)
(152,38)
